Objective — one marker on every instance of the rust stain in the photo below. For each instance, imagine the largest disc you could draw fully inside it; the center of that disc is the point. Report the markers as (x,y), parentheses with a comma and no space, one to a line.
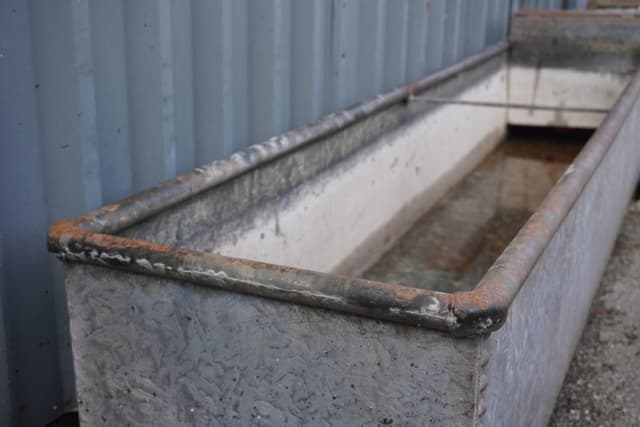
(110,242)
(64,232)
(63,229)
(462,301)
(405,293)
(411,88)
(113,207)
(491,297)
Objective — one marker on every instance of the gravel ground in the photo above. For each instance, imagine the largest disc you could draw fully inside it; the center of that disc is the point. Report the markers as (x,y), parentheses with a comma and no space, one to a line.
(602,387)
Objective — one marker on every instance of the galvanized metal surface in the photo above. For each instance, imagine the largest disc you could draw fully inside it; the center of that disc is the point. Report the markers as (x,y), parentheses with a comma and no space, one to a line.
(88,238)
(103,99)
(480,310)
(268,345)
(188,319)
(558,224)
(183,354)
(551,309)
(493,364)
(499,287)
(601,387)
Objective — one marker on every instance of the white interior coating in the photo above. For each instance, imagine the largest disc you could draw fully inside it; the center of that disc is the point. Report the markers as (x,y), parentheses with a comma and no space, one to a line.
(561,87)
(336,213)
(348,216)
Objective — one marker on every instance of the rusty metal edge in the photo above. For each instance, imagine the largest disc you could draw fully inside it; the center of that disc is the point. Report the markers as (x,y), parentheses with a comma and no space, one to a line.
(495,292)
(358,296)
(482,310)
(89,238)
(115,217)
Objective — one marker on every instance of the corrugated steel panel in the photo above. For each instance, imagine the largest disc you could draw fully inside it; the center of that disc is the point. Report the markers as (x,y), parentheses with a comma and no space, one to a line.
(103,99)
(577,4)
(5,403)
(537,4)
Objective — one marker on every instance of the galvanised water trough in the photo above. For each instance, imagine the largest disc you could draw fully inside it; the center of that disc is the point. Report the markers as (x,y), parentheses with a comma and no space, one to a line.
(279,287)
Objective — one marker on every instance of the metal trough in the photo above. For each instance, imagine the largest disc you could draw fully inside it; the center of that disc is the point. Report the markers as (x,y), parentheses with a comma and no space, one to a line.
(230,295)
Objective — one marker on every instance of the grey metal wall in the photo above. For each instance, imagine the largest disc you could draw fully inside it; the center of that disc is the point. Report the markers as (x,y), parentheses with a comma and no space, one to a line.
(577,4)
(539,4)
(100,99)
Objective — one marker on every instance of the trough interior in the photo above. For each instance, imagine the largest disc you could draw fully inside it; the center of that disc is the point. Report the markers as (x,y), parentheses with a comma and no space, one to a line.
(420,195)
(336,204)
(451,246)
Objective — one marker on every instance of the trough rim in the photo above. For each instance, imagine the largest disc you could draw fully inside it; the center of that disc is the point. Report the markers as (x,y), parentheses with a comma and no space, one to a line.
(89,238)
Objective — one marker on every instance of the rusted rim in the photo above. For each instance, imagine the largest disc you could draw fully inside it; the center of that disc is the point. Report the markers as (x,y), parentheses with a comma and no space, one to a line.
(484,309)
(498,288)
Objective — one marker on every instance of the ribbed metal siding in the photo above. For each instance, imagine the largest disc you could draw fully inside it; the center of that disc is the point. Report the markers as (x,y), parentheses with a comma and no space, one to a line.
(102,99)
(577,4)
(538,4)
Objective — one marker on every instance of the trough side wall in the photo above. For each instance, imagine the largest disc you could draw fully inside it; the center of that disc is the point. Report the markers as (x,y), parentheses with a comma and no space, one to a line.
(524,376)
(344,198)
(157,351)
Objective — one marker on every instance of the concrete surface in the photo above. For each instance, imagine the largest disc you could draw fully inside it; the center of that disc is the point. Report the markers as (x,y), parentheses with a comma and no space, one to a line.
(602,387)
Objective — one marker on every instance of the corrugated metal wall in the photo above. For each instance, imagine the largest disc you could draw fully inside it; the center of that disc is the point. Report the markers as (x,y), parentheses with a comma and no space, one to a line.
(101,99)
(576,4)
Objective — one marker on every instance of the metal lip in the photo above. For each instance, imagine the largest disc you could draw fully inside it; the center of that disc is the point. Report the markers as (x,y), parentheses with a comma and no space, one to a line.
(87,238)
(574,13)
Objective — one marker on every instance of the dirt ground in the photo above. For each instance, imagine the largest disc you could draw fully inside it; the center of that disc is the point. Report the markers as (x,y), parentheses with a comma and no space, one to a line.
(602,387)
